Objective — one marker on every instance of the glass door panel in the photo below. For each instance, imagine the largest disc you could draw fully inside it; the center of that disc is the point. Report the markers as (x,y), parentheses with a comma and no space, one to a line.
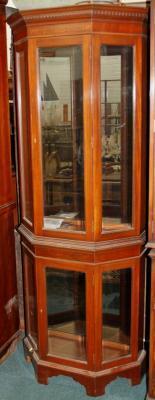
(66,313)
(24,130)
(116,309)
(116,134)
(31,300)
(61,92)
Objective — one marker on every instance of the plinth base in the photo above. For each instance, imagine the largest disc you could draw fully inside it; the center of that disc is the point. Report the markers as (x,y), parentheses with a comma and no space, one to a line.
(94,382)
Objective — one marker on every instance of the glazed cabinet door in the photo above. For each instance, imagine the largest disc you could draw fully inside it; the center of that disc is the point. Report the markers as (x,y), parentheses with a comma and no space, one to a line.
(119,320)
(118,111)
(58,197)
(59,310)
(30,294)
(61,109)
(24,138)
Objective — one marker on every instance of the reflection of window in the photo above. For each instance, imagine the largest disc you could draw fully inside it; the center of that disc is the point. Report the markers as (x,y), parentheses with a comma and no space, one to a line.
(49,94)
(55,89)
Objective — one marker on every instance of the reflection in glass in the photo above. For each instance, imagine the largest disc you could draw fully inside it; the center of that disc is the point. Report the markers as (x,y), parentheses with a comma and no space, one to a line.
(116,286)
(117,134)
(61,88)
(66,313)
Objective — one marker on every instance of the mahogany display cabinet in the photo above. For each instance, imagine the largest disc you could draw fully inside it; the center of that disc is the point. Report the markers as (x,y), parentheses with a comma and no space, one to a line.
(80,76)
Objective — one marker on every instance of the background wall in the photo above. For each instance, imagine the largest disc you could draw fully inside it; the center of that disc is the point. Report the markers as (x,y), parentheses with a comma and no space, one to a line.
(10,4)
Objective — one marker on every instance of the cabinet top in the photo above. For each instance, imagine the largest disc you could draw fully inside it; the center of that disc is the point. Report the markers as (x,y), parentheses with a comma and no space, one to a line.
(91,12)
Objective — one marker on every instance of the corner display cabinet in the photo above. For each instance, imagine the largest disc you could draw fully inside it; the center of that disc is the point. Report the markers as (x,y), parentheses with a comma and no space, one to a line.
(80,98)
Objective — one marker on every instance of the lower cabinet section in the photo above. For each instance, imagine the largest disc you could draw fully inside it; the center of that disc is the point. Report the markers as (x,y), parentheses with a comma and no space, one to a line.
(84,319)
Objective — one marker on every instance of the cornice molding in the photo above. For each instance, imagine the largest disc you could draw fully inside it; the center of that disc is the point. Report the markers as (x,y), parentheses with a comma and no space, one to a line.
(74,12)
(79,244)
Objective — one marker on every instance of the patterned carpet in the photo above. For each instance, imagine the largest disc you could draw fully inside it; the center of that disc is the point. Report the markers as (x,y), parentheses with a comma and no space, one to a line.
(17,382)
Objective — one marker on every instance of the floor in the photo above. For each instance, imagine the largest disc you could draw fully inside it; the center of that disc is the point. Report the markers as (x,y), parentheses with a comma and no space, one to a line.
(17,382)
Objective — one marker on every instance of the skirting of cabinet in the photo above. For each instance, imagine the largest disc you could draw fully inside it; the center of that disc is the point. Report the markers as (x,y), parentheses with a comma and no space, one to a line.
(91,252)
(94,382)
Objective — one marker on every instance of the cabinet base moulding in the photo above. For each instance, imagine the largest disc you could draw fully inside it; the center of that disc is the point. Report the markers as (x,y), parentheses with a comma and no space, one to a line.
(94,382)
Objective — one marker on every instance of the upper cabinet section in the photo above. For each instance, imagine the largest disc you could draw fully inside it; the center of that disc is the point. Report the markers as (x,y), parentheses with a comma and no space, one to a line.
(81,99)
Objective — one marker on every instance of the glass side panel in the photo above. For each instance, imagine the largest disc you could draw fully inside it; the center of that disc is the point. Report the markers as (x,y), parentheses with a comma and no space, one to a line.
(66,313)
(30,292)
(25,155)
(116,134)
(61,88)
(116,286)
